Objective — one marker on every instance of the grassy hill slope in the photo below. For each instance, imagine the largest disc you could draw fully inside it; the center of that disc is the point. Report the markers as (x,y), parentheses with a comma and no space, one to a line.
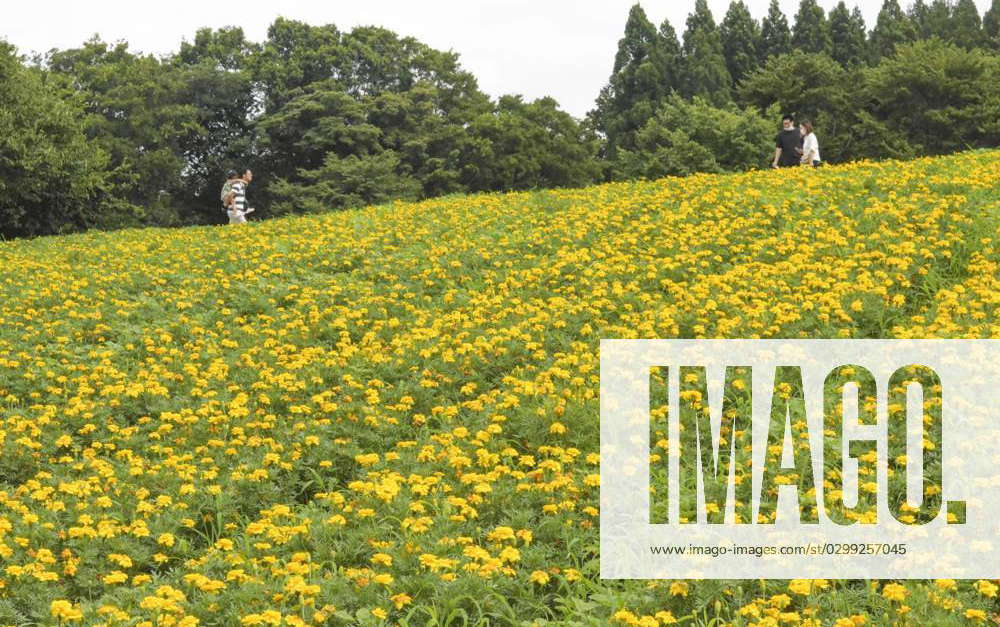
(391,413)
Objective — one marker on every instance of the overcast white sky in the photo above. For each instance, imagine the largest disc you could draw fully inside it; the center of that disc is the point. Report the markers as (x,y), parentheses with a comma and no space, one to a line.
(561,48)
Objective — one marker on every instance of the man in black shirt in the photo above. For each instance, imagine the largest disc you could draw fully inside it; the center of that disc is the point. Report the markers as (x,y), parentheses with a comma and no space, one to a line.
(787,145)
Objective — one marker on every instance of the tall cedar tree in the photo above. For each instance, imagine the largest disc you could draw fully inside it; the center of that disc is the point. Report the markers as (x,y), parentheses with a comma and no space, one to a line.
(991,26)
(704,62)
(919,14)
(966,26)
(892,28)
(860,30)
(636,86)
(811,33)
(740,40)
(775,38)
(937,20)
(847,35)
(668,59)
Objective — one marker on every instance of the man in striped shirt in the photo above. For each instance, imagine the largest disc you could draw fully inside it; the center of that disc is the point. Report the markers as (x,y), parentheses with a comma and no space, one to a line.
(238,208)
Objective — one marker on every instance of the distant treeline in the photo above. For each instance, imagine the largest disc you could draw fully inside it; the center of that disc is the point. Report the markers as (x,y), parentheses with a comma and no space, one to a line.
(102,137)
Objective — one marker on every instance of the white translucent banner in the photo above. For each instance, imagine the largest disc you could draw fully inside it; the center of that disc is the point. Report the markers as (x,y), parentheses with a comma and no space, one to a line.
(923,503)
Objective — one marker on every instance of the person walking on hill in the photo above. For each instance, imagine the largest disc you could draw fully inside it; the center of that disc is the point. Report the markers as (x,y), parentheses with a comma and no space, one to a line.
(236,207)
(810,145)
(787,144)
(227,190)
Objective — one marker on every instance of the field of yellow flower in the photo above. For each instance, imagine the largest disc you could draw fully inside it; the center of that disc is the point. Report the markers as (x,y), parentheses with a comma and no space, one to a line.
(390,416)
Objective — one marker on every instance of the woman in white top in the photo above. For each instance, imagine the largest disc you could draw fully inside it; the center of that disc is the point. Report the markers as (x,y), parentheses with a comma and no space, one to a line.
(810,145)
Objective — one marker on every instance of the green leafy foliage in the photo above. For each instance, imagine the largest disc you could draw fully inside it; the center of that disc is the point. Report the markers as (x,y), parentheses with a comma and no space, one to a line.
(694,136)
(812,31)
(776,38)
(892,28)
(51,178)
(938,96)
(847,36)
(740,40)
(329,118)
(705,72)
(644,72)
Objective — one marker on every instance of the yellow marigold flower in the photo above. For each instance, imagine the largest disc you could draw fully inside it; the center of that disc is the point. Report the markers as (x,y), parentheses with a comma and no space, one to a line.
(807,586)
(540,577)
(800,586)
(500,533)
(401,599)
(679,589)
(894,592)
(382,558)
(986,588)
(115,577)
(976,615)
(63,610)
(269,617)
(625,616)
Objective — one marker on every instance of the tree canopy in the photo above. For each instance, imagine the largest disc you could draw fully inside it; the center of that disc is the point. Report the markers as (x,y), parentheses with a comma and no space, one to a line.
(105,136)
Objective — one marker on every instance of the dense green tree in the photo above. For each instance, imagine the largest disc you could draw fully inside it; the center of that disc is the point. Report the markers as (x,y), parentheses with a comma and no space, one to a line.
(528,145)
(936,20)
(221,90)
(803,84)
(416,98)
(892,28)
(938,96)
(668,58)
(991,26)
(847,35)
(331,119)
(344,182)
(811,32)
(225,48)
(318,120)
(293,56)
(956,22)
(966,25)
(141,112)
(815,87)
(52,179)
(367,61)
(391,140)
(775,38)
(425,134)
(640,78)
(695,136)
(919,14)
(740,39)
(705,72)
